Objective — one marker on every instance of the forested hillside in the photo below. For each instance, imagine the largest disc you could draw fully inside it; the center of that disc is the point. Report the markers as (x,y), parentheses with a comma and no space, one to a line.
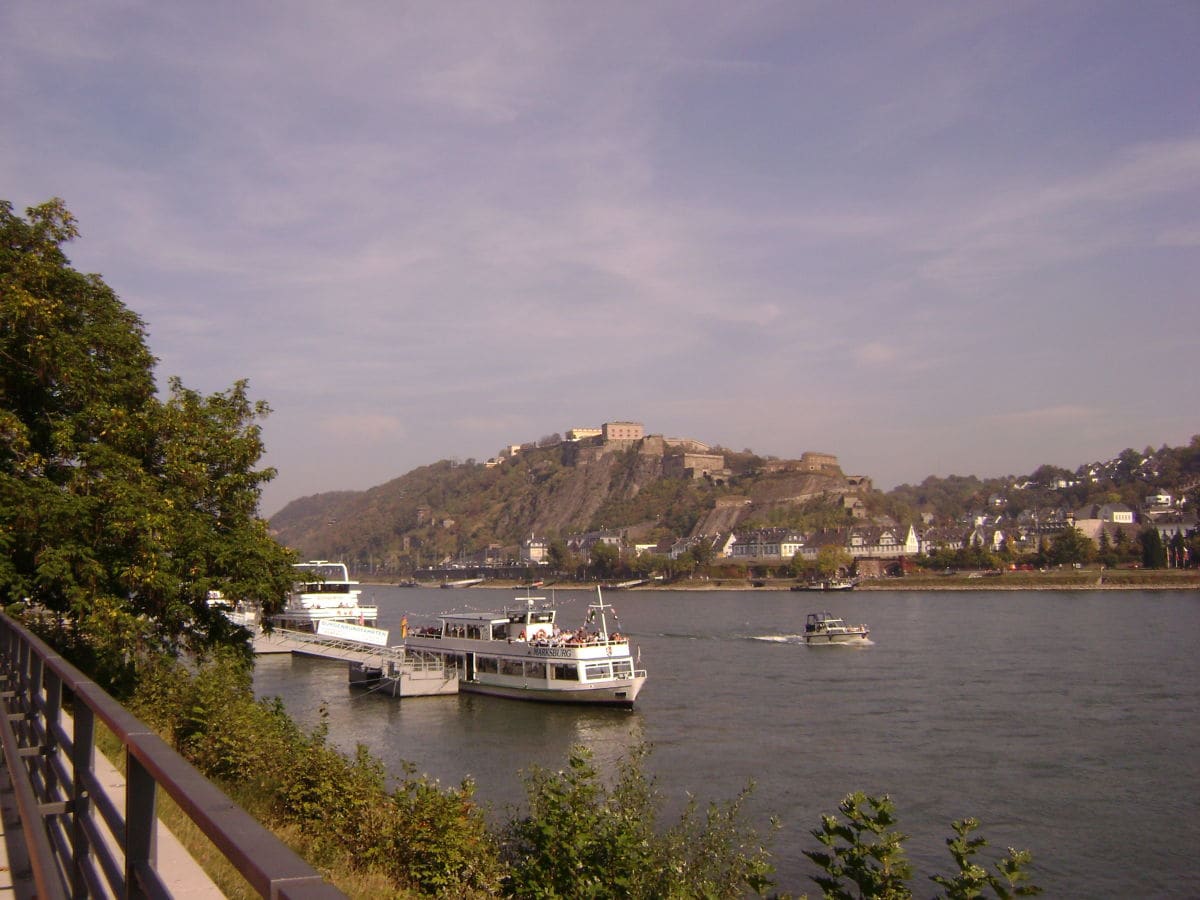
(445,510)
(449,510)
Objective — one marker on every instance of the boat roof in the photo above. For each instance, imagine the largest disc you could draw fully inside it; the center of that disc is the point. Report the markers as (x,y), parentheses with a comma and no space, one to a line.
(514,614)
(330,571)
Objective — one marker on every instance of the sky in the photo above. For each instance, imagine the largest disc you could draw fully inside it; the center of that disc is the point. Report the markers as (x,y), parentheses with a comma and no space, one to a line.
(930,238)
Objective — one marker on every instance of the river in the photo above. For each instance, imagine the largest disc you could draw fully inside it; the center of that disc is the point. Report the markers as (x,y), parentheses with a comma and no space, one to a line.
(1067,722)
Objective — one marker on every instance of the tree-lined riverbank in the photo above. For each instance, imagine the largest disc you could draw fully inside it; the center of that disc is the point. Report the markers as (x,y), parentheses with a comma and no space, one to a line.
(1064,580)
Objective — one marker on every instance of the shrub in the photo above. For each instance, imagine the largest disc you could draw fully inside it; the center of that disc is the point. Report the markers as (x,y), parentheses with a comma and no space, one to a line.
(583,839)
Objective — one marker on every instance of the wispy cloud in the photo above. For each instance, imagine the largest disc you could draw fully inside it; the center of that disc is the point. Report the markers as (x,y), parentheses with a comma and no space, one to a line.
(519,218)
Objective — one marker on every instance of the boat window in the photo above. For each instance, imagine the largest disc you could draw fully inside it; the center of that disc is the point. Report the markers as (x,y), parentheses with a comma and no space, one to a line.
(511,667)
(598,670)
(486,664)
(535,669)
(564,672)
(622,667)
(499,631)
(543,617)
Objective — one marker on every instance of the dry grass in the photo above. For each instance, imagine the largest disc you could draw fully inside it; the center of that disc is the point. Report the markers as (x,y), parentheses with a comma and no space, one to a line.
(355,884)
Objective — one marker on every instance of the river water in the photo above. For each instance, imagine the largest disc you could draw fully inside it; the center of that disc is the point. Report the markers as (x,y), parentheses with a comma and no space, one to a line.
(1067,722)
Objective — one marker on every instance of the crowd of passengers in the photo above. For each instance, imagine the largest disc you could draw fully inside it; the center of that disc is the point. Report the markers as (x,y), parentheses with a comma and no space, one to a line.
(581,637)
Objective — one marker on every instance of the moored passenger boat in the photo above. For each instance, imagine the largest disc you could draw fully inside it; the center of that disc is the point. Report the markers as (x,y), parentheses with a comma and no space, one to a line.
(523,654)
(324,591)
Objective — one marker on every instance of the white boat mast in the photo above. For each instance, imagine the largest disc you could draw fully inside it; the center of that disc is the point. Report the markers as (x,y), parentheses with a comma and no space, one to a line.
(599,607)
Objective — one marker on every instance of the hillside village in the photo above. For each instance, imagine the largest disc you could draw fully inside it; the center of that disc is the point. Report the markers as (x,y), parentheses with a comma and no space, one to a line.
(605,472)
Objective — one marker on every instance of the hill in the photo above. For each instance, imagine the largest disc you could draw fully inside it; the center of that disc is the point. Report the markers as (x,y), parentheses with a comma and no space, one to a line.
(648,489)
(654,489)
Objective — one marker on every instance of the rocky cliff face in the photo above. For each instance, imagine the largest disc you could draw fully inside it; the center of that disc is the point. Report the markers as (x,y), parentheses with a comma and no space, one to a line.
(570,488)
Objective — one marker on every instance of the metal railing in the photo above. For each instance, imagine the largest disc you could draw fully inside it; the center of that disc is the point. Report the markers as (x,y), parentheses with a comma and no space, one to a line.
(80,843)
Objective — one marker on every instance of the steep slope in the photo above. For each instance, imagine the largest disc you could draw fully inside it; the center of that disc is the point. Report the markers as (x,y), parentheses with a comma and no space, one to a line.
(446,510)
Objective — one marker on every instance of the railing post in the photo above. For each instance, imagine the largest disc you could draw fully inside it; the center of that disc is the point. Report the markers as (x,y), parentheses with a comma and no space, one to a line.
(83,759)
(52,718)
(141,833)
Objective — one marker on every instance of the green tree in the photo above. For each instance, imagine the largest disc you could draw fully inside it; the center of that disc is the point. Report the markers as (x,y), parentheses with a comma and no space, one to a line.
(1071,546)
(119,511)
(1154,554)
(605,559)
(831,560)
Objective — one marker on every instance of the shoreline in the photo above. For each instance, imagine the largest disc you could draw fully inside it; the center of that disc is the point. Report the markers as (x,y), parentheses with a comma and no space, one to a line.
(1071,582)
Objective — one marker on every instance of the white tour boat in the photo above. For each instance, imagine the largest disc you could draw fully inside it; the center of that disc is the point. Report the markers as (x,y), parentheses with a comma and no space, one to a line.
(822,629)
(244,614)
(324,592)
(523,654)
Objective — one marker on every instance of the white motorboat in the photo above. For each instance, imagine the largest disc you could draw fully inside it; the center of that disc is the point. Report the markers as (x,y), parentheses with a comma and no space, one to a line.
(821,629)
(829,584)
(522,653)
(324,592)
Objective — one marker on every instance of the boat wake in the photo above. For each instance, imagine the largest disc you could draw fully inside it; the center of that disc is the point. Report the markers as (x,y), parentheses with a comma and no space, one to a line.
(778,638)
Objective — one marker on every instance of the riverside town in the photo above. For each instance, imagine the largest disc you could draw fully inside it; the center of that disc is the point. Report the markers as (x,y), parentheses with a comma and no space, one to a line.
(659,511)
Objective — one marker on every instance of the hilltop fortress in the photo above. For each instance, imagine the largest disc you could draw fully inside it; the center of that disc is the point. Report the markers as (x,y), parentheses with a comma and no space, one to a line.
(681,457)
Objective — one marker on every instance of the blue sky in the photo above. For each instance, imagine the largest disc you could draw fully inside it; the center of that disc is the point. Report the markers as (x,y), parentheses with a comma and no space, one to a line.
(932,238)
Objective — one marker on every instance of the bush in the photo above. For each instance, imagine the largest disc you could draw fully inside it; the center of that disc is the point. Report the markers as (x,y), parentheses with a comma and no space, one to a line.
(583,839)
(334,810)
(867,853)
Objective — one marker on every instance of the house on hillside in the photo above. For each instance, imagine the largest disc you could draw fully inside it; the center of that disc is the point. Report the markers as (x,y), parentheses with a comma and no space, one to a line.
(582,544)
(1116,513)
(941,538)
(775,544)
(535,551)
(883,542)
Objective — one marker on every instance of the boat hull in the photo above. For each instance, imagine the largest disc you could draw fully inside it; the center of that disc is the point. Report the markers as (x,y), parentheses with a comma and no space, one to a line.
(621,694)
(825,639)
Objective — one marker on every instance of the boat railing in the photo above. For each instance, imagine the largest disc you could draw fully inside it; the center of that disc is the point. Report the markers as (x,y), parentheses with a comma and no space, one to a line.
(416,661)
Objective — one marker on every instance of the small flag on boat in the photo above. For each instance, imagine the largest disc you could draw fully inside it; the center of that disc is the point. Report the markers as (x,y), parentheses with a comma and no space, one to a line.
(404,627)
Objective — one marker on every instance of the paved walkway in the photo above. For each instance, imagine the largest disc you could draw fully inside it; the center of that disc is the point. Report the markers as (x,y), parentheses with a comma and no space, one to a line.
(16,880)
(182,874)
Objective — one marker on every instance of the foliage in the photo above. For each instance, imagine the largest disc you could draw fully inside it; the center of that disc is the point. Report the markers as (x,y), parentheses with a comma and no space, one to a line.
(831,560)
(583,839)
(119,511)
(604,559)
(1071,546)
(864,851)
(972,556)
(676,504)
(1154,554)
(864,858)
(337,810)
(580,837)
(972,880)
(809,515)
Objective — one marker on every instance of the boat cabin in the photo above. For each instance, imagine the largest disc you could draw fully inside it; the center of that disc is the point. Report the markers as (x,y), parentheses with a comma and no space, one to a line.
(510,625)
(822,621)
(321,577)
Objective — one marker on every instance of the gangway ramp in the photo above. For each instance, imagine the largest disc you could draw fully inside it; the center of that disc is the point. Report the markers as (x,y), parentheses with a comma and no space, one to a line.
(395,670)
